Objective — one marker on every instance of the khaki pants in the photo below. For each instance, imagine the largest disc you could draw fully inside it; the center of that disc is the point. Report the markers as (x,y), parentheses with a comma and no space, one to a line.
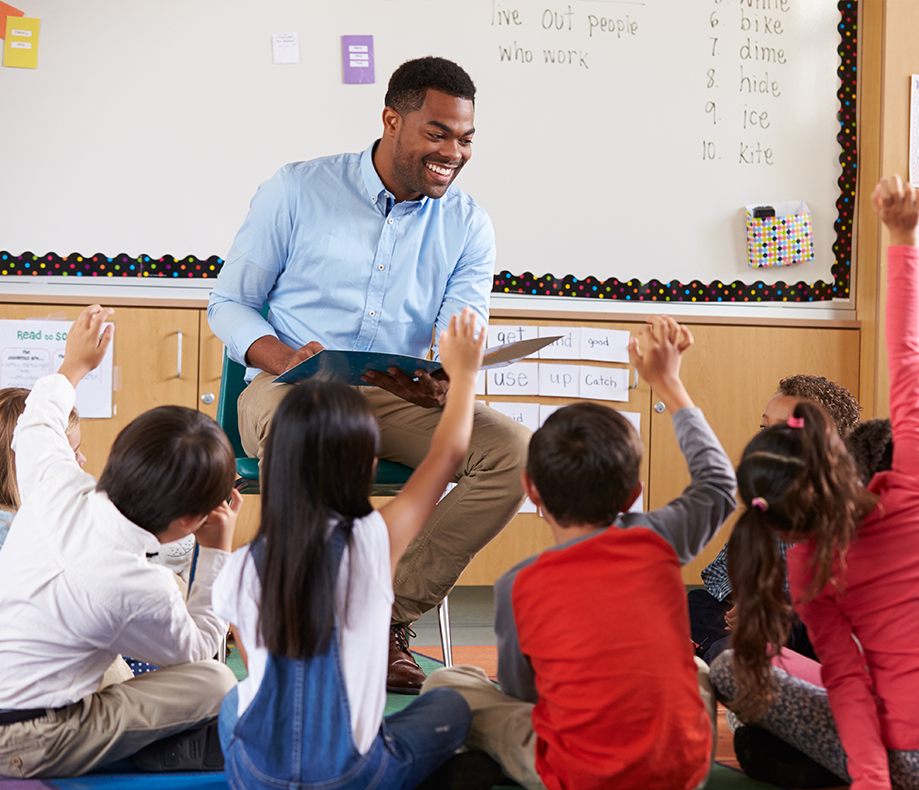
(488,492)
(502,726)
(115,722)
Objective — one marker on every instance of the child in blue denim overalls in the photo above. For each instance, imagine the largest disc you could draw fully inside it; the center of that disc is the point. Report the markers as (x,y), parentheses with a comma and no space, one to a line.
(310,597)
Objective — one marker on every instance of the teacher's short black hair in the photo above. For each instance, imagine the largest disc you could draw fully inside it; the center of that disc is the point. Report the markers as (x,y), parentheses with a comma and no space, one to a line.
(413,79)
(168,463)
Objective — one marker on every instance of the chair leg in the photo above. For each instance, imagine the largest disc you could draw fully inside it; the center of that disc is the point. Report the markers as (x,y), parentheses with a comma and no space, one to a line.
(443,620)
(222,650)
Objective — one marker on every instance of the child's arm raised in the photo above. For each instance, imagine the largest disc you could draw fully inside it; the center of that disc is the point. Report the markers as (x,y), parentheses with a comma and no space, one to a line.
(461,350)
(849,687)
(40,439)
(898,207)
(86,343)
(656,354)
(690,521)
(897,204)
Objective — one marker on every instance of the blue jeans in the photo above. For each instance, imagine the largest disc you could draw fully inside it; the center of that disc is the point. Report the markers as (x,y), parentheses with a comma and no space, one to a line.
(313,747)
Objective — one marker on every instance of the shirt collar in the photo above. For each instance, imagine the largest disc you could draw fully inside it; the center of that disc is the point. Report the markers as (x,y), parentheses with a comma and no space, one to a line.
(137,538)
(376,190)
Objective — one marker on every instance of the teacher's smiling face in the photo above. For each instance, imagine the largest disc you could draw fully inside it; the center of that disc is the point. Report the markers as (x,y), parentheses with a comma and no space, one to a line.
(422,151)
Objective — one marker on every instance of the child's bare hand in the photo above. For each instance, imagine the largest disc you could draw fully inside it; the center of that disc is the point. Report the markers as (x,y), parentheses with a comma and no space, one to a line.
(86,343)
(659,347)
(461,346)
(217,530)
(656,354)
(897,204)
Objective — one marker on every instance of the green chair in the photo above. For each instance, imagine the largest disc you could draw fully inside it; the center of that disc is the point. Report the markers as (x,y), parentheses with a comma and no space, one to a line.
(390,476)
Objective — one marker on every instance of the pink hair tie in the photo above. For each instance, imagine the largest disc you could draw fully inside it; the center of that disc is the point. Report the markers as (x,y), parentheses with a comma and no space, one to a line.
(795,422)
(759,502)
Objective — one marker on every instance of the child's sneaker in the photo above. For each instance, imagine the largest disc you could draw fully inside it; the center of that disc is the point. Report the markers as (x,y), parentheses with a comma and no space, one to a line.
(192,750)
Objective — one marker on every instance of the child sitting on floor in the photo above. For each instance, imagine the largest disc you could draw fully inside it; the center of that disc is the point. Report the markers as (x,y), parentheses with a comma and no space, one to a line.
(854,575)
(712,610)
(12,404)
(76,588)
(587,700)
(761,754)
(310,597)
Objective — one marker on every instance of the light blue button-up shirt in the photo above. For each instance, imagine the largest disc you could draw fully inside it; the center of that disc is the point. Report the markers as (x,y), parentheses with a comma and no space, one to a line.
(340,263)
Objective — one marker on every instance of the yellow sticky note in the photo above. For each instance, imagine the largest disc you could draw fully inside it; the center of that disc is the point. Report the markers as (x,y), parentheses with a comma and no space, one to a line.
(21,47)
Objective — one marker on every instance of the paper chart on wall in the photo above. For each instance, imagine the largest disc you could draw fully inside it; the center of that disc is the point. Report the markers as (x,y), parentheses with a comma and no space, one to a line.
(32,349)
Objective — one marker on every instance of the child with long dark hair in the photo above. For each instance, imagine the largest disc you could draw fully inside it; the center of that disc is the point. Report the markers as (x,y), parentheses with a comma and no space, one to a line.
(854,575)
(310,597)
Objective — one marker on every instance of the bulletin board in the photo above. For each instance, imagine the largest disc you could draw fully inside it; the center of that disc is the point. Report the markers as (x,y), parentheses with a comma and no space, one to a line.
(617,143)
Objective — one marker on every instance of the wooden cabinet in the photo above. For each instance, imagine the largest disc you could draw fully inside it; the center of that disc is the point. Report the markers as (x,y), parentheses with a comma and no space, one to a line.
(730,372)
(155,357)
(166,355)
(210,366)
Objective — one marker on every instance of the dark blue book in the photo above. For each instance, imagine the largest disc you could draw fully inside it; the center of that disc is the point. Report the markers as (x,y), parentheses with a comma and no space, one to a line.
(349,366)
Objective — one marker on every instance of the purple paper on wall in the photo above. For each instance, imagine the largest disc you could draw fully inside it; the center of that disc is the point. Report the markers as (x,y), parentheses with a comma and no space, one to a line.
(357,59)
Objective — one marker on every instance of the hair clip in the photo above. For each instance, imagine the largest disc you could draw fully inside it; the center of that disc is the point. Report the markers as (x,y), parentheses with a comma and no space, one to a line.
(759,502)
(795,422)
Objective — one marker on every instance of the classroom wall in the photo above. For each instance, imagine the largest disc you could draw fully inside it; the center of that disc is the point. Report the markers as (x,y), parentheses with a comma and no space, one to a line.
(888,56)
(668,120)
(886,59)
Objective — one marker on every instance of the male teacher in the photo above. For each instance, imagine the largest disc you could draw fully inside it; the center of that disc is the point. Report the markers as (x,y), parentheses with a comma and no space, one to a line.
(372,252)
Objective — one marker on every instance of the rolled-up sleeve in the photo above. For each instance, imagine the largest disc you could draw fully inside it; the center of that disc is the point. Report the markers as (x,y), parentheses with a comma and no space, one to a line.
(469,285)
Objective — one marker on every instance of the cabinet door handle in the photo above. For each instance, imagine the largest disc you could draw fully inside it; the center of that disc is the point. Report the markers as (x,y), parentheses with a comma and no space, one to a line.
(179,355)
(633,386)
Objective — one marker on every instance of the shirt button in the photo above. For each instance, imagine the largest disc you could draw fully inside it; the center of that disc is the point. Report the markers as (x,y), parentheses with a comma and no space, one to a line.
(389,221)
(374,200)
(372,313)
(381,267)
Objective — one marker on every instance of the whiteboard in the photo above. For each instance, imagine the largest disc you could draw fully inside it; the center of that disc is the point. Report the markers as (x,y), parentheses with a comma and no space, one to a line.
(614,138)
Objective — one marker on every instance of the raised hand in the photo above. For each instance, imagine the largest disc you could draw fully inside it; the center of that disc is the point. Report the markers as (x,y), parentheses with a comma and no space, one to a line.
(86,343)
(461,346)
(897,204)
(656,354)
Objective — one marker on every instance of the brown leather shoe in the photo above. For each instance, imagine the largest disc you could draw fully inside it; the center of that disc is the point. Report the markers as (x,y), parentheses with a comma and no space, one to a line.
(404,676)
